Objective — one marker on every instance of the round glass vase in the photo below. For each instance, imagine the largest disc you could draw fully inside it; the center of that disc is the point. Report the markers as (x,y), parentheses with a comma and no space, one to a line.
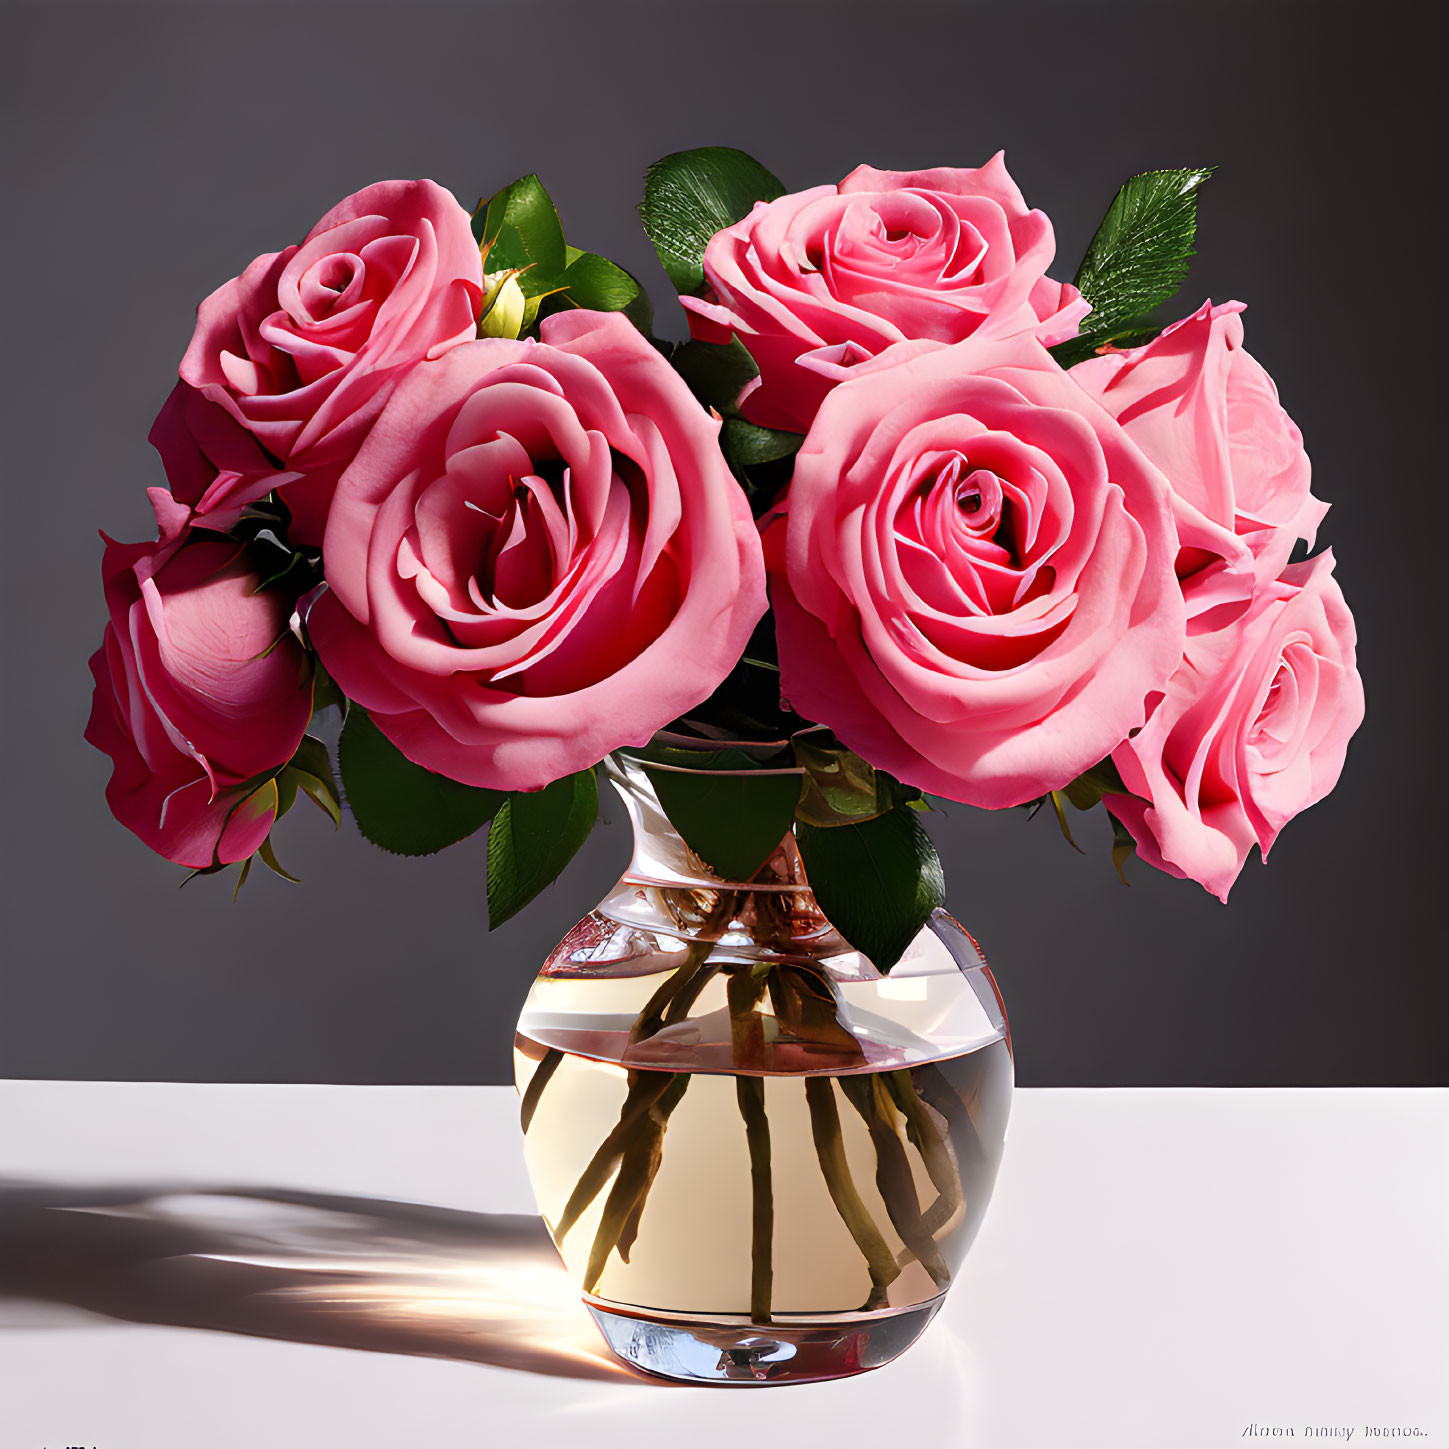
(762,1160)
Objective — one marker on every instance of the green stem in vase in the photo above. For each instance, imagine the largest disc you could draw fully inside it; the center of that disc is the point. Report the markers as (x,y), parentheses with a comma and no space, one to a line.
(639,1162)
(547,1066)
(830,1149)
(747,1035)
(680,989)
(934,1146)
(645,1090)
(750,1092)
(893,1177)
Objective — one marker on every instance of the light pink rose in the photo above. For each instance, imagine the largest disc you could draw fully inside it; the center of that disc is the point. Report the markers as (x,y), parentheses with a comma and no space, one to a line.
(538,555)
(818,281)
(303,348)
(1252,729)
(199,689)
(973,581)
(1208,415)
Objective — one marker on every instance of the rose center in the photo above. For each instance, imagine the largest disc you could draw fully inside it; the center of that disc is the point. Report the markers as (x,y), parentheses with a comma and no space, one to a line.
(979,499)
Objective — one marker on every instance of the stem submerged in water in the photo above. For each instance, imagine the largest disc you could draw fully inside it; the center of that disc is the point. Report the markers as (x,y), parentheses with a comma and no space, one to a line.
(547,1066)
(893,1177)
(830,1149)
(619,1224)
(750,1093)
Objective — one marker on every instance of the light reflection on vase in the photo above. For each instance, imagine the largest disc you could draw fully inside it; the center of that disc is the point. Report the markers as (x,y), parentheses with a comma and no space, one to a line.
(761,1160)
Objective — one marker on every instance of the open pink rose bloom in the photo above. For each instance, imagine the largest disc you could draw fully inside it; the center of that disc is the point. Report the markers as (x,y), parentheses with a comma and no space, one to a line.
(821,280)
(539,555)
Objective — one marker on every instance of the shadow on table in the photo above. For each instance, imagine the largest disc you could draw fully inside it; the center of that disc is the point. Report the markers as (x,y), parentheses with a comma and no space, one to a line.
(347,1272)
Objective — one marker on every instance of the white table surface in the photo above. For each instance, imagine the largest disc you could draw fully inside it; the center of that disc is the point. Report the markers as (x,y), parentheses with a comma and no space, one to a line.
(1159,1269)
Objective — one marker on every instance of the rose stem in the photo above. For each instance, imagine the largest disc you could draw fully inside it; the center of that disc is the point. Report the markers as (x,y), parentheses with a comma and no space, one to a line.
(893,1177)
(687,973)
(748,1041)
(547,1066)
(934,1147)
(937,1092)
(750,1093)
(638,1164)
(830,1149)
(645,1089)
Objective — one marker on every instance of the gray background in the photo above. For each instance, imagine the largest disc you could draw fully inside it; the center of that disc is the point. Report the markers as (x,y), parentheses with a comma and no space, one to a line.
(152,151)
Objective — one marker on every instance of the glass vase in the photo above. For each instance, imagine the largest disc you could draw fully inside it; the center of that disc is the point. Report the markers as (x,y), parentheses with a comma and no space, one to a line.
(762,1160)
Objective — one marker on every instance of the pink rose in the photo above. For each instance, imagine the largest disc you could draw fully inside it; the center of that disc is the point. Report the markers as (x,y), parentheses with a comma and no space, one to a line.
(200,689)
(303,348)
(973,582)
(816,282)
(215,467)
(1252,729)
(538,555)
(1208,415)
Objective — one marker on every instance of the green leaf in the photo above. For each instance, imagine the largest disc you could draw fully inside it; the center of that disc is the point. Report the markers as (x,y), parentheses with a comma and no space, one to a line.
(1139,256)
(533,836)
(690,195)
(269,859)
(519,227)
(1089,787)
(840,787)
(731,821)
(641,313)
(744,444)
(399,806)
(310,770)
(877,882)
(716,375)
(596,283)
(1124,847)
(1056,797)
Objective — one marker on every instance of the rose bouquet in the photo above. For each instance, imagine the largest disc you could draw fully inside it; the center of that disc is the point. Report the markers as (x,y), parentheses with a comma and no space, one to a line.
(906,519)
(941,524)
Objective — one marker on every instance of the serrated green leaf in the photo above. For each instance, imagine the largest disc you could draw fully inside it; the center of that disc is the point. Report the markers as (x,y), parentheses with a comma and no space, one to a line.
(399,806)
(745,444)
(877,882)
(733,822)
(533,837)
(690,195)
(1139,256)
(716,374)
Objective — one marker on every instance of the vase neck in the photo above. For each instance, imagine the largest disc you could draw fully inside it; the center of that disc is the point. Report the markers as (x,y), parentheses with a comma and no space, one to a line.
(662,858)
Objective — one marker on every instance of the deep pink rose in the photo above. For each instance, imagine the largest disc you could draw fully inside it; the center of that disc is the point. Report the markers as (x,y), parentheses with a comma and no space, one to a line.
(1252,729)
(303,348)
(974,580)
(215,467)
(818,281)
(1208,415)
(538,555)
(200,688)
